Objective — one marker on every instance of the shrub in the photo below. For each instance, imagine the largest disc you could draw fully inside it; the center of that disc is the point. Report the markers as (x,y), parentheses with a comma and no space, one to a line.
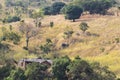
(10,19)
(51,24)
(46,48)
(13,37)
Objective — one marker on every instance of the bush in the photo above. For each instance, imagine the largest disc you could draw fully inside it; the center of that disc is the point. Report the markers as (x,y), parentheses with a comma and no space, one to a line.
(10,19)
(46,48)
(51,24)
(5,71)
(13,37)
(16,75)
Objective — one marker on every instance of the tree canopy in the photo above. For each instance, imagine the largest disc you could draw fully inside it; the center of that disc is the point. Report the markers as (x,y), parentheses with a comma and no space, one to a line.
(56,7)
(72,12)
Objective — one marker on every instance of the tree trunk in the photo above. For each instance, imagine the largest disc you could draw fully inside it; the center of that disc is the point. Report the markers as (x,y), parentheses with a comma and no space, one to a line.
(36,22)
(73,20)
(27,43)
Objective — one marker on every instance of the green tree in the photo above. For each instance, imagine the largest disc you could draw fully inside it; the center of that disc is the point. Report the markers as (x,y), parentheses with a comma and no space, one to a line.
(5,71)
(36,71)
(80,70)
(38,15)
(83,26)
(102,72)
(16,75)
(73,12)
(47,10)
(15,37)
(59,68)
(47,47)
(56,7)
(10,19)
(97,6)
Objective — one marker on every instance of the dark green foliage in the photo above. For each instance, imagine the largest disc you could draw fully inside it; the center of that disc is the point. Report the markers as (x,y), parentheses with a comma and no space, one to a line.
(10,19)
(10,27)
(51,24)
(68,34)
(17,74)
(36,71)
(56,7)
(47,10)
(60,67)
(65,45)
(14,37)
(39,24)
(46,48)
(5,71)
(4,48)
(102,72)
(78,69)
(97,7)
(84,26)
(73,12)
(117,40)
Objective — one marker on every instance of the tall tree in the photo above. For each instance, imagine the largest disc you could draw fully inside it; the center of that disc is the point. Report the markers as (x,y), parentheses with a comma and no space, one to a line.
(36,71)
(56,7)
(60,67)
(73,12)
(29,30)
(80,70)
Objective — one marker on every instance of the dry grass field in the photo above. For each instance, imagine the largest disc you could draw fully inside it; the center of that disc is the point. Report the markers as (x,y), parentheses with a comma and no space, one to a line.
(97,44)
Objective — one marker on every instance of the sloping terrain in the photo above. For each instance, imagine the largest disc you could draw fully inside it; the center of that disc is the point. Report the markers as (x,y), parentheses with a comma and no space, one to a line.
(99,43)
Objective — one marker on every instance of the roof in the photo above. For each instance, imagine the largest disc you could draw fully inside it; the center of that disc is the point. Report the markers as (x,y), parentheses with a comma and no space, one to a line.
(36,60)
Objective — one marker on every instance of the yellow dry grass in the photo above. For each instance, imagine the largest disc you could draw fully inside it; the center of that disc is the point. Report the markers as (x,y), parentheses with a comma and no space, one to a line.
(108,27)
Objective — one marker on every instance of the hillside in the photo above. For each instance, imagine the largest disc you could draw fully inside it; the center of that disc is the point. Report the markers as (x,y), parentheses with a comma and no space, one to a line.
(59,39)
(100,42)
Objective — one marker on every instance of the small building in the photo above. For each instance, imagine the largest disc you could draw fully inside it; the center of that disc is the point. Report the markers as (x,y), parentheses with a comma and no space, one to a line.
(23,62)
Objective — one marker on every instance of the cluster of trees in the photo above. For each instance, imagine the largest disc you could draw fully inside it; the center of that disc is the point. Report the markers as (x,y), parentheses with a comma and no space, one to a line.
(54,8)
(62,69)
(10,19)
(74,10)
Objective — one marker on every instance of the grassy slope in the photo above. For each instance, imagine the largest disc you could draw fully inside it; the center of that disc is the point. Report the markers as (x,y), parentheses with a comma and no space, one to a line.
(102,49)
(91,49)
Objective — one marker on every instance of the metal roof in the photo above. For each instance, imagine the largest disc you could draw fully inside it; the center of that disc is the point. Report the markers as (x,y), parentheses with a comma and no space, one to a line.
(36,60)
